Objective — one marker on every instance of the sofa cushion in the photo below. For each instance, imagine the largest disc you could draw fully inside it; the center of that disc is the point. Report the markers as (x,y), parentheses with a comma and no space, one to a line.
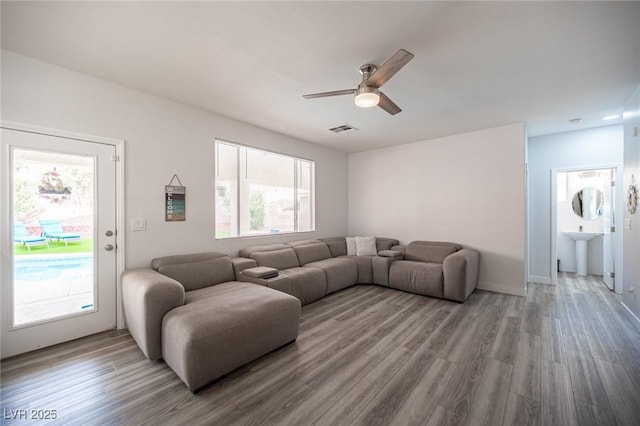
(280,259)
(337,245)
(310,251)
(366,246)
(417,277)
(195,271)
(248,251)
(214,291)
(365,270)
(424,251)
(307,284)
(339,272)
(237,324)
(352,248)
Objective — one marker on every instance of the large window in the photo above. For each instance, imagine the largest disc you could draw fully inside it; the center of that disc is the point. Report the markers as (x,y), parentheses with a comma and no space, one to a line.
(260,192)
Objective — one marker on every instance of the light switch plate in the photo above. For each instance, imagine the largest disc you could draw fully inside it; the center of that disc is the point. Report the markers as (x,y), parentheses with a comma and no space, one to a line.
(139,224)
(627,223)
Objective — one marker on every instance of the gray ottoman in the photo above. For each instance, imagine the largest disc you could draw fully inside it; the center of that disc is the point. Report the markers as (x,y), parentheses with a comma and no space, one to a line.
(226,326)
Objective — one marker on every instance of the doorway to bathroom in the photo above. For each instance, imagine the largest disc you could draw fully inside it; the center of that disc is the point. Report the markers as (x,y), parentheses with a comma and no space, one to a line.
(584,210)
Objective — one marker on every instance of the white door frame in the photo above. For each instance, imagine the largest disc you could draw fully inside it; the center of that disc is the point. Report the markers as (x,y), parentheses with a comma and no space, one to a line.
(5,214)
(618,217)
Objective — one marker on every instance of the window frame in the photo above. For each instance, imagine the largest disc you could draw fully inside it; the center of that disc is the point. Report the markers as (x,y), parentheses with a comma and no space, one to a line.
(236,233)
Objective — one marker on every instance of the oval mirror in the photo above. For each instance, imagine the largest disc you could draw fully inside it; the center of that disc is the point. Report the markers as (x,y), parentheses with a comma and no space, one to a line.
(588,203)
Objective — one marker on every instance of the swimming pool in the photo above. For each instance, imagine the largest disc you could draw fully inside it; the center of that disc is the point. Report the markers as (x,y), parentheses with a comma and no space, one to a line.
(50,267)
(47,286)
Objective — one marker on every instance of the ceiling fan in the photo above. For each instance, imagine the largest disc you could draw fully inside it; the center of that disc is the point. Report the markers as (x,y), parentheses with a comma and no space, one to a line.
(367,94)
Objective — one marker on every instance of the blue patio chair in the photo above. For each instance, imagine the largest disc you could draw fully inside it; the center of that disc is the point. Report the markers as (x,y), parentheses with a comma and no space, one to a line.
(21,235)
(53,229)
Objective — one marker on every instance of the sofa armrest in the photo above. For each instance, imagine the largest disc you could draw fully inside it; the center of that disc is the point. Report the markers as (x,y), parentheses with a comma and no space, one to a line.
(280,282)
(147,296)
(460,274)
(240,264)
(380,266)
(400,247)
(392,254)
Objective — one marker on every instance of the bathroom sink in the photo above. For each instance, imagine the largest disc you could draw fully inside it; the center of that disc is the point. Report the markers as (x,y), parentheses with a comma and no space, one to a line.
(581,239)
(583,236)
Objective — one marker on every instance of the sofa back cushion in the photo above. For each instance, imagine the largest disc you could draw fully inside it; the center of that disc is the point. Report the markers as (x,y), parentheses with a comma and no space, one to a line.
(310,250)
(279,256)
(248,251)
(337,245)
(430,251)
(197,270)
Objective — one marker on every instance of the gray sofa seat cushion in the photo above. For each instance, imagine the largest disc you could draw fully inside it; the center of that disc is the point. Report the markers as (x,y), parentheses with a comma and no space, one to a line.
(428,251)
(282,258)
(214,291)
(339,272)
(307,284)
(365,270)
(417,277)
(310,251)
(195,271)
(240,322)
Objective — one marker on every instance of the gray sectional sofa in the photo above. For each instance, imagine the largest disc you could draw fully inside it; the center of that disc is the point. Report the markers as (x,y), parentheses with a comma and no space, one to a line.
(310,269)
(207,314)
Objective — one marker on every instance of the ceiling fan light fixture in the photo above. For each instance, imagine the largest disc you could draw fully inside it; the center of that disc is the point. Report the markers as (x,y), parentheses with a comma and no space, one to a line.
(367,97)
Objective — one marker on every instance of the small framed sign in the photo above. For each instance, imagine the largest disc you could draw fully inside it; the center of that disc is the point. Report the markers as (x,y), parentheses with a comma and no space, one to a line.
(175,208)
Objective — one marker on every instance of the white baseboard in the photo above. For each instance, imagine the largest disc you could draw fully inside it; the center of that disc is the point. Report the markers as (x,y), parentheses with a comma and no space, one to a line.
(539,280)
(501,288)
(631,312)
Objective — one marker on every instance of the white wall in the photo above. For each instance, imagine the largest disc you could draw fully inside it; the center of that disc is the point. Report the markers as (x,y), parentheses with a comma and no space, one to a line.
(631,239)
(162,138)
(466,188)
(585,148)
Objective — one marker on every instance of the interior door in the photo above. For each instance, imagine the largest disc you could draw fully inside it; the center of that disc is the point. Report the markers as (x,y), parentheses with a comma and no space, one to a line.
(608,225)
(59,239)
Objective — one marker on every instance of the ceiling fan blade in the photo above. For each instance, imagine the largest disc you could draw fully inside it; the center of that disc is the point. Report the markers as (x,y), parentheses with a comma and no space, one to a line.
(326,94)
(389,68)
(388,105)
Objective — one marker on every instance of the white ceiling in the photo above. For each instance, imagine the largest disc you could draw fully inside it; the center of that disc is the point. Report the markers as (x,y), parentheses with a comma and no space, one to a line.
(477,64)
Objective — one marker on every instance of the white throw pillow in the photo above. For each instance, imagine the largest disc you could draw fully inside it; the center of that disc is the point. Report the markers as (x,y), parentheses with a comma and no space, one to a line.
(366,246)
(351,246)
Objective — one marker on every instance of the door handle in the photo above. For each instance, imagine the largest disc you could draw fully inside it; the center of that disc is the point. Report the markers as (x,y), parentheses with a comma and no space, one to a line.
(109,247)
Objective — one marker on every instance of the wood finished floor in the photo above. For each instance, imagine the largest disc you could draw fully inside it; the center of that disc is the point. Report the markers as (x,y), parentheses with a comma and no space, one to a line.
(368,355)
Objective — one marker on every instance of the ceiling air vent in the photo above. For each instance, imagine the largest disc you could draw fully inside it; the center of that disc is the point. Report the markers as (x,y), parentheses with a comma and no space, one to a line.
(345,128)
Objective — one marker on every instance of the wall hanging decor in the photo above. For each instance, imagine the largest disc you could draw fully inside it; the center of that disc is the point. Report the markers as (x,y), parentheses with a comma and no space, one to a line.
(632,197)
(175,208)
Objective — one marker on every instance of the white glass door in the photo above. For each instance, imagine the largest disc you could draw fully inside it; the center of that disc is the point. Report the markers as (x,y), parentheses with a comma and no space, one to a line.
(59,245)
